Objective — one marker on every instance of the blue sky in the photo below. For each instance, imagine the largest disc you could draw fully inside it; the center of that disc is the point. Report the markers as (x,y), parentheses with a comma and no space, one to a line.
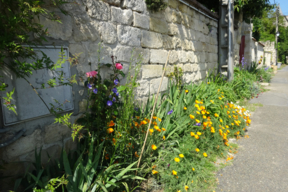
(283,5)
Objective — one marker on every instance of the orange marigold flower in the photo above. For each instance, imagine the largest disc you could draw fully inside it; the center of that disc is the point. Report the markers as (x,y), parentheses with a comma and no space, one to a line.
(185,108)
(216,115)
(111,123)
(205,124)
(163,129)
(186,187)
(191,116)
(154,166)
(156,127)
(197,150)
(154,147)
(154,117)
(154,172)
(144,122)
(192,134)
(110,130)
(136,155)
(196,137)
(159,119)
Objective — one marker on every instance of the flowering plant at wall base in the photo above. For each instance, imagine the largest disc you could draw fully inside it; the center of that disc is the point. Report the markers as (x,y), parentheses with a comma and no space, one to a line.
(103,96)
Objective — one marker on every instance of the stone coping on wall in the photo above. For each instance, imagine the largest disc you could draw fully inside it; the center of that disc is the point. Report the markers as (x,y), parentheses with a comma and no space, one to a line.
(258,41)
(200,8)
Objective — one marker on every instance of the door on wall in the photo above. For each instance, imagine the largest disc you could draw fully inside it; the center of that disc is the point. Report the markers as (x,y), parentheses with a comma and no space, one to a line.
(242,47)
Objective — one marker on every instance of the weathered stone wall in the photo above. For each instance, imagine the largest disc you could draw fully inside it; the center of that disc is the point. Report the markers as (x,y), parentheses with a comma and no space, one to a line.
(120,26)
(270,49)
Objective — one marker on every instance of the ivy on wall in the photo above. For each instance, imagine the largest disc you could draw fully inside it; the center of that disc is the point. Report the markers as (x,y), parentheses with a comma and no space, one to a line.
(156,5)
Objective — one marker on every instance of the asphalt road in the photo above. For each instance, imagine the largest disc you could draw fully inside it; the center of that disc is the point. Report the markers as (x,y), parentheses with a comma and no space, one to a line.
(261,165)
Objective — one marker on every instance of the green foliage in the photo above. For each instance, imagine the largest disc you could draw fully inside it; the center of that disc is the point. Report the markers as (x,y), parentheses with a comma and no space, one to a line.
(7,101)
(177,74)
(84,171)
(156,5)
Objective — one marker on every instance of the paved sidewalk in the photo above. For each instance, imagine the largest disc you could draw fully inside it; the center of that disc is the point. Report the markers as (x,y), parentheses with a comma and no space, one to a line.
(261,165)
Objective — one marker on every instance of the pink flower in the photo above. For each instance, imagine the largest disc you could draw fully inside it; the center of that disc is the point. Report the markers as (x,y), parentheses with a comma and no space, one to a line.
(118,66)
(91,74)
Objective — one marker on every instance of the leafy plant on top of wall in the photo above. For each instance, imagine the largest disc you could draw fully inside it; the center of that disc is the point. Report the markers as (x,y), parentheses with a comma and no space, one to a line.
(156,5)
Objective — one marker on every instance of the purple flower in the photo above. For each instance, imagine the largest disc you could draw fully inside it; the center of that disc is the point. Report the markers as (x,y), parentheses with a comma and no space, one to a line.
(117,94)
(95,90)
(266,68)
(198,124)
(170,112)
(89,86)
(110,96)
(168,165)
(109,103)
(114,99)
(114,90)
(116,81)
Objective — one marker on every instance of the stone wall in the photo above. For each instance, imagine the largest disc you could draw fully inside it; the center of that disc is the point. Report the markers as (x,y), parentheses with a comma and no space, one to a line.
(270,49)
(120,26)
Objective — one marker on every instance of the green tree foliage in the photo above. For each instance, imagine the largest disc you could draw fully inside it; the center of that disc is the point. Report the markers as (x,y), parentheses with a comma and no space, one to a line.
(156,5)
(17,29)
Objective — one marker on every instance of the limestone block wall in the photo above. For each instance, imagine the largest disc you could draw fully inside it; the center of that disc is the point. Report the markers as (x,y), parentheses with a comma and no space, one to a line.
(270,49)
(120,26)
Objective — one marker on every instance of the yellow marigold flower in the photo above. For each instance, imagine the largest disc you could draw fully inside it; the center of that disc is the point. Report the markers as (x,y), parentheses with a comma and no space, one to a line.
(205,154)
(216,115)
(233,111)
(177,159)
(181,155)
(178,191)
(192,181)
(228,131)
(197,150)
(185,108)
(154,172)
(207,113)
(196,105)
(154,147)
(156,127)
(232,123)
(154,123)
(198,133)
(204,117)
(193,169)
(197,102)
(227,126)
(196,136)
(144,122)
(221,120)
(154,166)
(164,137)
(163,129)
(191,116)
(222,96)
(151,131)
(208,83)
(201,102)
(110,130)
(229,116)
(197,121)
(205,124)
(212,101)
(159,119)
(228,112)
(192,134)
(186,187)
(174,172)
(203,112)
(202,107)
(154,117)
(186,91)
(159,130)
(198,112)
(219,98)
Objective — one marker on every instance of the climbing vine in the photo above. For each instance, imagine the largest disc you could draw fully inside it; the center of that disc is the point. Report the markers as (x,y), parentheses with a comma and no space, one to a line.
(156,5)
